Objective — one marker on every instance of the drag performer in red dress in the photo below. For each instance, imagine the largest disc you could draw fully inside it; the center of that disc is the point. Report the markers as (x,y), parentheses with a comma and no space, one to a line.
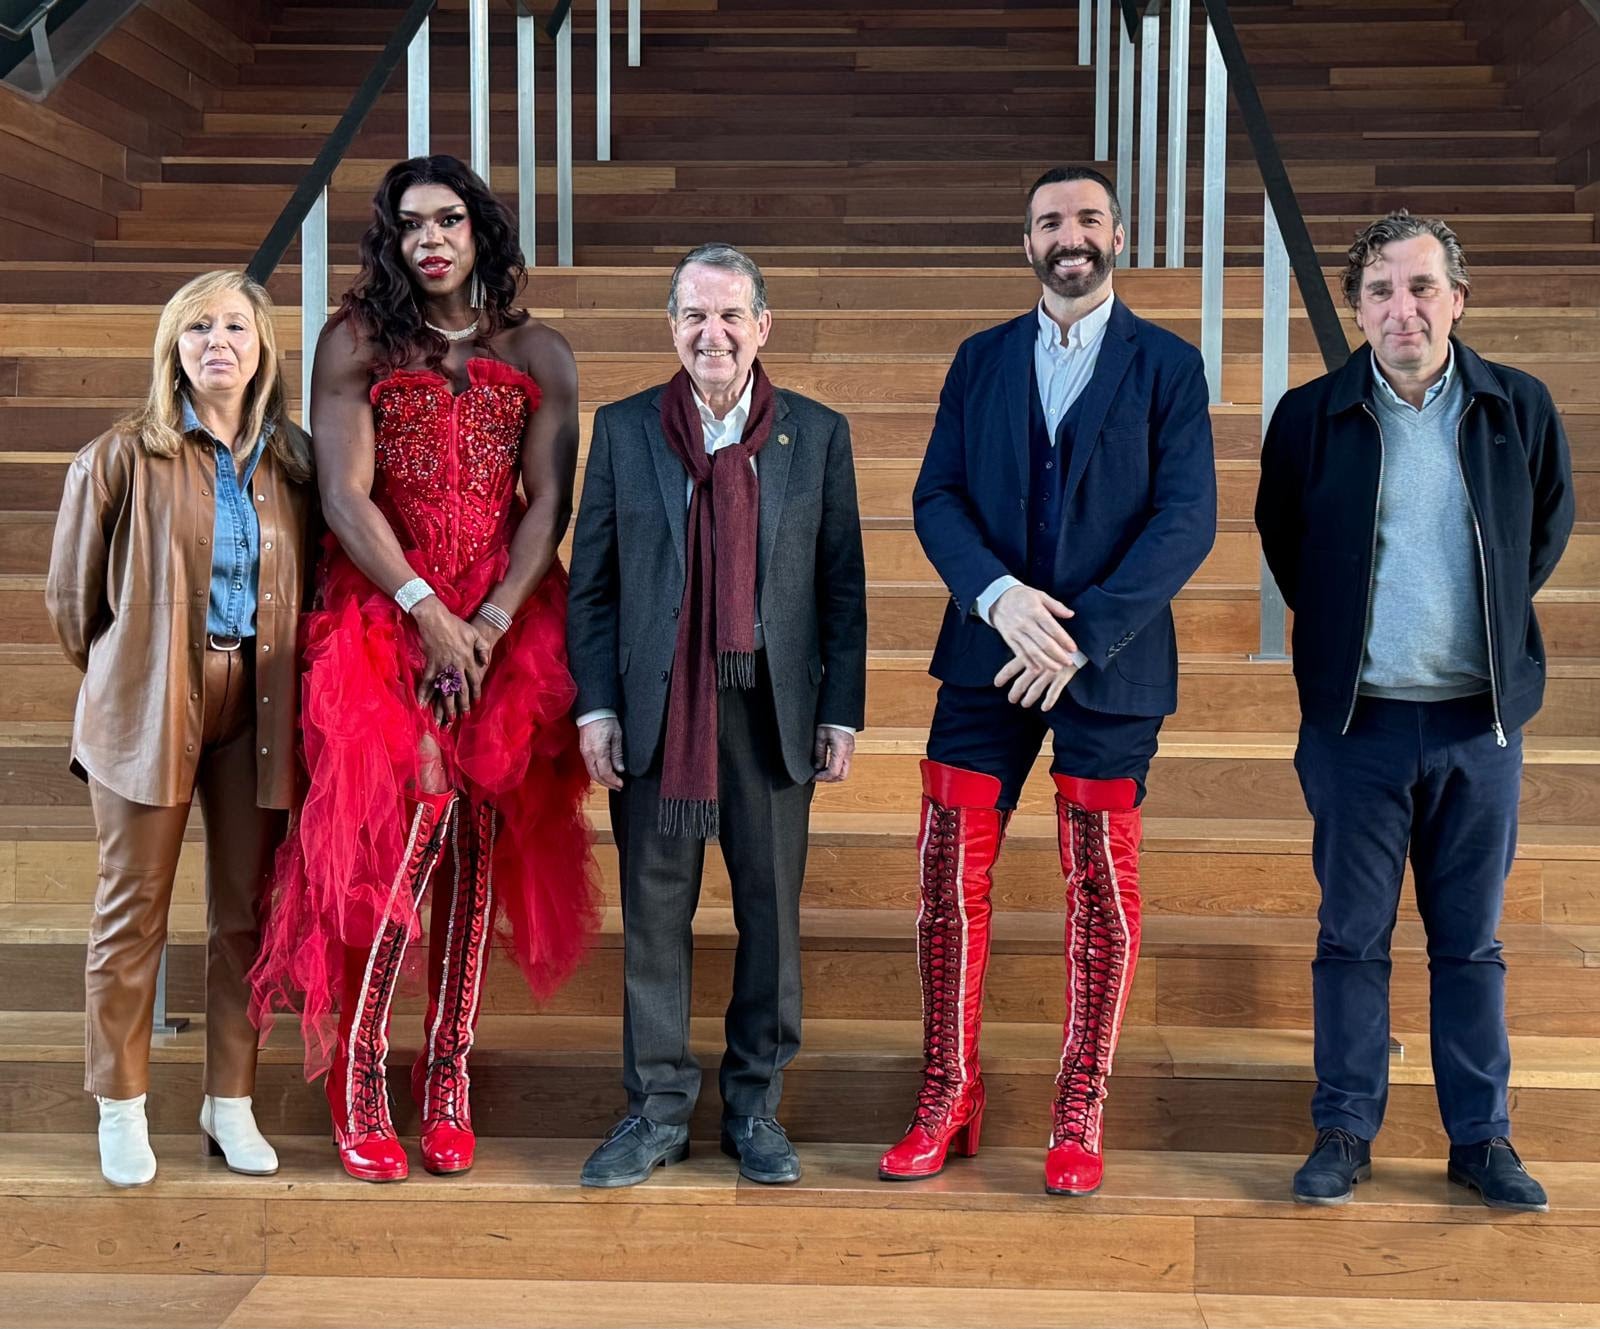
(436,692)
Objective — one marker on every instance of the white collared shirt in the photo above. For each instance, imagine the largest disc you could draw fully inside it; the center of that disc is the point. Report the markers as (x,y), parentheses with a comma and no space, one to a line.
(1062,367)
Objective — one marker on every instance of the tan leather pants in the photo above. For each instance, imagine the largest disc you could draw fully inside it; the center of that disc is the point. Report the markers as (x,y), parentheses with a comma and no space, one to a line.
(139,848)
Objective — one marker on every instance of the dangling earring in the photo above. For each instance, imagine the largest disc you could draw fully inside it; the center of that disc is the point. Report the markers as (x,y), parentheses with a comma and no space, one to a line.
(475,292)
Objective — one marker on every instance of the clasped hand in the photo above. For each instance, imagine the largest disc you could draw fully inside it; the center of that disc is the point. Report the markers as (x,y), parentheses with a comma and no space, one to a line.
(1029,621)
(449,643)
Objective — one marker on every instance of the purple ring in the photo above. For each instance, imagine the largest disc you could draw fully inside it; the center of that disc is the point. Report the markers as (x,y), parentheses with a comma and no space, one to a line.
(448,681)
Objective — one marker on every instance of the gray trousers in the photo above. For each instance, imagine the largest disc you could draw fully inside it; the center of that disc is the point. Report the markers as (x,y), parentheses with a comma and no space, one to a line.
(765,818)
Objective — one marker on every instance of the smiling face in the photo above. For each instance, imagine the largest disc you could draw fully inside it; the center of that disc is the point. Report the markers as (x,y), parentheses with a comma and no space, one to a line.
(1407,307)
(436,241)
(1072,241)
(220,349)
(717,331)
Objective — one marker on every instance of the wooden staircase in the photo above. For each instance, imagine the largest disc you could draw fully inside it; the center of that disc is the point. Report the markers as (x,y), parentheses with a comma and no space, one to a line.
(873,157)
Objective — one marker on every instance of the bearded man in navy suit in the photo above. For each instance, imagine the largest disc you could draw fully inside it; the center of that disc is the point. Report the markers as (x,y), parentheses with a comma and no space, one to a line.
(1067,494)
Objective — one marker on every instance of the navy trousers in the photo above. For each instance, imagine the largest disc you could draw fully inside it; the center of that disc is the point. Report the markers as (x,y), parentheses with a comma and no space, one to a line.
(977,729)
(1429,780)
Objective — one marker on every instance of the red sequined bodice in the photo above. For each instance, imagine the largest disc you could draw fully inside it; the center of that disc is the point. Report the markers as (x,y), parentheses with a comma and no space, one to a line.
(446,465)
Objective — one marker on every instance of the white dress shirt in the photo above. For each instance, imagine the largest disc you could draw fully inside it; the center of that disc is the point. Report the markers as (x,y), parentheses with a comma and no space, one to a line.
(718,434)
(1062,367)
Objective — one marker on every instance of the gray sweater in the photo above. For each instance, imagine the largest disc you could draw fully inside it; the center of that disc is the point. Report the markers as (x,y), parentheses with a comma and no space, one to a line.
(1426,639)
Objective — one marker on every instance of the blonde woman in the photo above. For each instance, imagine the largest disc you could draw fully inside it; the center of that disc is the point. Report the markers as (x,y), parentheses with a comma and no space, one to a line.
(175,585)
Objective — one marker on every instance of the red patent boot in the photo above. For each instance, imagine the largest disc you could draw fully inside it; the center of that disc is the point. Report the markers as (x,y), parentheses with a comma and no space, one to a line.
(960,840)
(458,952)
(357,1085)
(1099,827)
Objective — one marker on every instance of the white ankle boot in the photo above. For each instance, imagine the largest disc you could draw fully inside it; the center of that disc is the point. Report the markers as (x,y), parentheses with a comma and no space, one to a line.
(126,1158)
(229,1128)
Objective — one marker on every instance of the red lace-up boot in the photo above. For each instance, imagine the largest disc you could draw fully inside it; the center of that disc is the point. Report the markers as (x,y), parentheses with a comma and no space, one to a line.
(357,1086)
(458,952)
(959,842)
(1099,827)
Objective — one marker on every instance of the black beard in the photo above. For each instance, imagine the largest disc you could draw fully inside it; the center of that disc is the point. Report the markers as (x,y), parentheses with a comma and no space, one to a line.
(1075,284)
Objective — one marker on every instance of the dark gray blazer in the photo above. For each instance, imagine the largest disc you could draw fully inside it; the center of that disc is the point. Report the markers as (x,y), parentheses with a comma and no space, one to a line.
(628,574)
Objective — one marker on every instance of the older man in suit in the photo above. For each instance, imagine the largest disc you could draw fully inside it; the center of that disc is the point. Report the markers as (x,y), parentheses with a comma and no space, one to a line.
(717,633)
(1067,494)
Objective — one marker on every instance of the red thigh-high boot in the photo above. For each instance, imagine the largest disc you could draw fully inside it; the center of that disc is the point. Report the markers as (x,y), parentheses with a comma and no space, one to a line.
(959,842)
(458,952)
(1099,826)
(357,1087)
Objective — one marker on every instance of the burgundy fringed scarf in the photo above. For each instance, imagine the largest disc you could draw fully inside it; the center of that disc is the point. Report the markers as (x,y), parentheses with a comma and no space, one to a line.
(717,623)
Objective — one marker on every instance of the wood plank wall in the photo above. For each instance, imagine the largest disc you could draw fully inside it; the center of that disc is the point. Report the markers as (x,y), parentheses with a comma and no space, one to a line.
(68,165)
(1548,51)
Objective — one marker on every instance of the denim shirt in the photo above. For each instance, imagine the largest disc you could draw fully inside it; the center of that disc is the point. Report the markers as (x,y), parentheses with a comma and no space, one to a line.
(235,537)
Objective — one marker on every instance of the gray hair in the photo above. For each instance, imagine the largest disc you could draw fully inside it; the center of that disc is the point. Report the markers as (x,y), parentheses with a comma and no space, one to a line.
(1402,225)
(724,256)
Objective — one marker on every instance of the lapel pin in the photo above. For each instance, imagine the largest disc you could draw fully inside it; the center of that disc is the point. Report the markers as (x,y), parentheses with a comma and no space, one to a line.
(783,438)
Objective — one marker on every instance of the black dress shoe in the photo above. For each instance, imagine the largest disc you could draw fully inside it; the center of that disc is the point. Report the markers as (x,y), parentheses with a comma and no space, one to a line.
(635,1148)
(1336,1162)
(1492,1168)
(762,1148)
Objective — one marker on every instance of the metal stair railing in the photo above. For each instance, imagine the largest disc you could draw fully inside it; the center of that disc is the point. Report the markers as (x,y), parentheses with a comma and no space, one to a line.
(1286,240)
(306,212)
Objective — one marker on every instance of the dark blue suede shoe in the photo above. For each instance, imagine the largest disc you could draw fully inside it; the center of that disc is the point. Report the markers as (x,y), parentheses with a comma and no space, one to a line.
(1492,1168)
(1336,1163)
(635,1148)
(762,1148)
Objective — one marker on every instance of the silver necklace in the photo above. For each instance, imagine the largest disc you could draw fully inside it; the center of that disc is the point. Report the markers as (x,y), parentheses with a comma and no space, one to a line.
(455,334)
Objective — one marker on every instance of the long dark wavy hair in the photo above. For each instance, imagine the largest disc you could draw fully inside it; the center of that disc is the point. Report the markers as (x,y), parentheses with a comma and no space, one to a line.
(384,300)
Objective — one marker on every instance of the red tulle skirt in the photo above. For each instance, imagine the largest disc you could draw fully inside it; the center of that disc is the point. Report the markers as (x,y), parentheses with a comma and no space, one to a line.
(361,728)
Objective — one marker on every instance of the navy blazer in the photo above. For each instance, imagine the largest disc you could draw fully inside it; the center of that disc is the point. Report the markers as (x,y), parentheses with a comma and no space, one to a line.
(1139,510)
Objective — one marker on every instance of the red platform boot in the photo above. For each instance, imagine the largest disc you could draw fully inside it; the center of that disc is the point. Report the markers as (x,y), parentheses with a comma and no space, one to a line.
(959,842)
(1099,827)
(458,952)
(357,1085)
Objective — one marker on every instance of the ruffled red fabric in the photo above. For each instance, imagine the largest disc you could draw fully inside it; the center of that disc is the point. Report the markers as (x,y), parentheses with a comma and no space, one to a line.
(361,726)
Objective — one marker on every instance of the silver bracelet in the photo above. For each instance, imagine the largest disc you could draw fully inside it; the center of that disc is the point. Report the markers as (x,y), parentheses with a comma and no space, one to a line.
(413,593)
(496,616)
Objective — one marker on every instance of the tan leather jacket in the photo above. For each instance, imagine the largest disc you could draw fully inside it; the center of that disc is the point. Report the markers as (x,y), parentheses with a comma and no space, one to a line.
(128,591)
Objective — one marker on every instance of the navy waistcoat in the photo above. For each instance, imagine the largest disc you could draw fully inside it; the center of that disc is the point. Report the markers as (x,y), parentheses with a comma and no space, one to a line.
(1047,479)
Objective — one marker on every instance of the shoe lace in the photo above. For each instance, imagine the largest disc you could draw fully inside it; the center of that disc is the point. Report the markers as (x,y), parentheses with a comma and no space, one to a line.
(629,1123)
(1504,1142)
(1347,1141)
(747,1127)
(939,958)
(1098,963)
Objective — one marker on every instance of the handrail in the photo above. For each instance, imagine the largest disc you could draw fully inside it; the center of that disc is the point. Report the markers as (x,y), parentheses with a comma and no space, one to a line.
(1285,204)
(316,179)
(1320,310)
(558,16)
(36,16)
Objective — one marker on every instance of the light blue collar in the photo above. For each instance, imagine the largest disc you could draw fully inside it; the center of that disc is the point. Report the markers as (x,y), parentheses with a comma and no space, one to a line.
(1433,393)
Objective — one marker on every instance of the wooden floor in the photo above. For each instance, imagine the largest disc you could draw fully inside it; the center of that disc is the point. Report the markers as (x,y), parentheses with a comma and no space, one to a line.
(206,1301)
(1173,1238)
(871,155)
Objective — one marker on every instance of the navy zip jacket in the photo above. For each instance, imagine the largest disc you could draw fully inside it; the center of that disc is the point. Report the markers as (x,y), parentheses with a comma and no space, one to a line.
(1317,511)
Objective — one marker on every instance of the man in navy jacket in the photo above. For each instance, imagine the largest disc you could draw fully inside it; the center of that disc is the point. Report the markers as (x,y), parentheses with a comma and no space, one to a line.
(1067,494)
(1411,504)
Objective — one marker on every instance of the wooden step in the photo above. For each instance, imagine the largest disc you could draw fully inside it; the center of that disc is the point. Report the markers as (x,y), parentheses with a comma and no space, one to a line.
(1165,1224)
(1216,774)
(642,285)
(861,964)
(1203,867)
(1212,692)
(853,1080)
(275,1299)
